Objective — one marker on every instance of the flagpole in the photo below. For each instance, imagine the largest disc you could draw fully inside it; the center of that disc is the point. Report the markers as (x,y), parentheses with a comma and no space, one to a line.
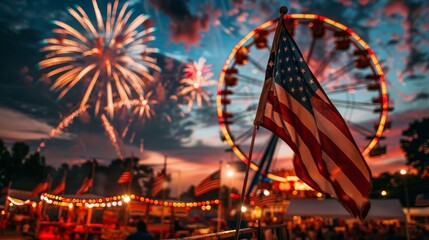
(60,211)
(283,10)
(246,176)
(163,197)
(219,206)
(90,190)
(180,185)
(6,201)
(49,179)
(127,209)
(131,172)
(89,213)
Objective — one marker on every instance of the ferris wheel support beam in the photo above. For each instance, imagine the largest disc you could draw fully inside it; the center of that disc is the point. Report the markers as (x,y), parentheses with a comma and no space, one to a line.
(325,62)
(310,52)
(265,162)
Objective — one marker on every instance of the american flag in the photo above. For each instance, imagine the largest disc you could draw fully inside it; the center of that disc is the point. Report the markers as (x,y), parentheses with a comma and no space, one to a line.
(86,185)
(40,188)
(294,107)
(264,200)
(125,176)
(211,182)
(422,200)
(158,183)
(61,187)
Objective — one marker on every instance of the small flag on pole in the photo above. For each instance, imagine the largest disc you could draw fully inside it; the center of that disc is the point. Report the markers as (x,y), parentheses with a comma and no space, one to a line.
(294,106)
(422,200)
(158,183)
(86,185)
(40,188)
(125,176)
(211,182)
(264,200)
(88,181)
(61,187)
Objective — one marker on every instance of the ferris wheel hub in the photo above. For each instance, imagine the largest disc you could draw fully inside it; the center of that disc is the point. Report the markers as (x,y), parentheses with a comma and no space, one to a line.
(283,10)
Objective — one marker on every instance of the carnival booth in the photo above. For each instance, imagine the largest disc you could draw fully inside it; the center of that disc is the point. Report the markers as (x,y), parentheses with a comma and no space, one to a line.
(94,217)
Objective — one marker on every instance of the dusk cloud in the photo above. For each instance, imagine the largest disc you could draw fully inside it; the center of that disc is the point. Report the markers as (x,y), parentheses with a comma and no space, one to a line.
(185,27)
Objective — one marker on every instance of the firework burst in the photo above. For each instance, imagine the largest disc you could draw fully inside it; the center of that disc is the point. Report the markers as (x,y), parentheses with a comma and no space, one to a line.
(142,108)
(108,58)
(196,76)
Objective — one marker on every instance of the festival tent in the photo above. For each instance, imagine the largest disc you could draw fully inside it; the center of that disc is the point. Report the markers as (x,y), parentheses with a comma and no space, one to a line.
(419,212)
(331,208)
(21,195)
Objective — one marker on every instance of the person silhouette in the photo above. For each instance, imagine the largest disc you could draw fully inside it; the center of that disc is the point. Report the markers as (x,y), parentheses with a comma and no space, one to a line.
(141,234)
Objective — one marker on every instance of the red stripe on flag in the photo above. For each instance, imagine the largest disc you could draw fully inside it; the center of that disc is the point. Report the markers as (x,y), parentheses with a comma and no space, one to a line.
(158,184)
(347,166)
(300,170)
(263,200)
(61,187)
(86,185)
(211,182)
(422,200)
(125,177)
(332,114)
(40,188)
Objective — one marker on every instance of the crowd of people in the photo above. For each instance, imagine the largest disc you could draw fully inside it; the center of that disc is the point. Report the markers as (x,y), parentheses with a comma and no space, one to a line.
(327,229)
(320,229)
(312,228)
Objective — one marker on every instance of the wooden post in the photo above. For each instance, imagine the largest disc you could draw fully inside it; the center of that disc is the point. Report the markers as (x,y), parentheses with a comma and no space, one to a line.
(127,209)
(60,210)
(219,206)
(243,190)
(163,198)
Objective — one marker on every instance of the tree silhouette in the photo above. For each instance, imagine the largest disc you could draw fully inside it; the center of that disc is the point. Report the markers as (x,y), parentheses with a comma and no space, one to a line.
(415,143)
(5,159)
(18,166)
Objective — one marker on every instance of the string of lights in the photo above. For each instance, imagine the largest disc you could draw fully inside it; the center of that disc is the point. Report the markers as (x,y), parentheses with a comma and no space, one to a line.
(119,200)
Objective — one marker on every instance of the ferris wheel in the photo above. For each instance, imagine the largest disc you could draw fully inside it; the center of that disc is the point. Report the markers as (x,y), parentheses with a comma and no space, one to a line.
(346,67)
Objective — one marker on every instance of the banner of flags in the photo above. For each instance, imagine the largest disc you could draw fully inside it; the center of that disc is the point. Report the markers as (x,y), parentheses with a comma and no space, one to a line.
(294,106)
(211,182)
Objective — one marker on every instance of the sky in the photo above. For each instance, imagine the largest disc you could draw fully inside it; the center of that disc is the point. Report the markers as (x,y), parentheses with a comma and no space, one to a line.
(185,31)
